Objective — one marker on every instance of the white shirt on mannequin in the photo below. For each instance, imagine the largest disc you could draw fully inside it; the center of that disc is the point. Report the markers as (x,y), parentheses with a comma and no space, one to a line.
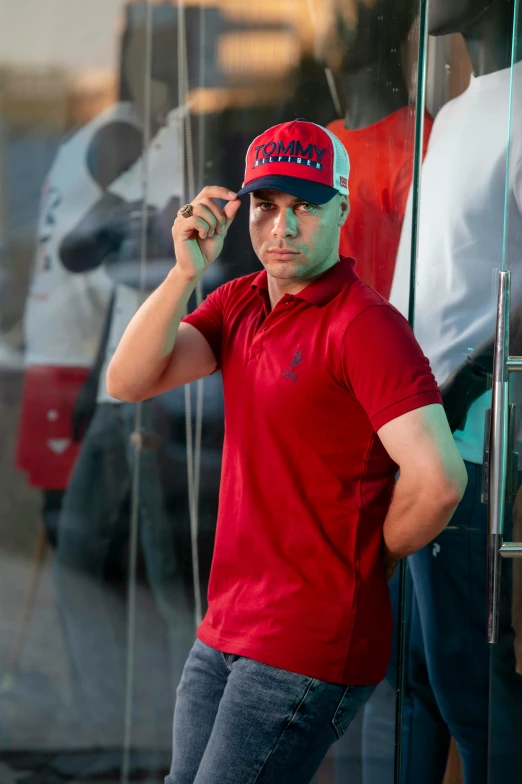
(162,178)
(64,311)
(461,232)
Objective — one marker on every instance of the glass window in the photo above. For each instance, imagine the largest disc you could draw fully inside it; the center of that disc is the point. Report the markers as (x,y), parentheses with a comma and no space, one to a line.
(112,116)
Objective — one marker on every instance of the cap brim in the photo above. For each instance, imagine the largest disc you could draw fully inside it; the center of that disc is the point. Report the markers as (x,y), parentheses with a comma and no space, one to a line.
(314,192)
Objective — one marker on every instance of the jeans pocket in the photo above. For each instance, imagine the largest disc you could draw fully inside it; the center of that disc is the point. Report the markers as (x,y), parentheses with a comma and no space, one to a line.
(352,700)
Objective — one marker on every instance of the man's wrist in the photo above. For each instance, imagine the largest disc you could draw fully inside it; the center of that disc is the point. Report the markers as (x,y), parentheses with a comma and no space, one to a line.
(190,281)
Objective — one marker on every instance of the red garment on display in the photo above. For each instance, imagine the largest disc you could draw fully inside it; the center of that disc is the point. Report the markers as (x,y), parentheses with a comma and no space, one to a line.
(381,160)
(297,577)
(45,447)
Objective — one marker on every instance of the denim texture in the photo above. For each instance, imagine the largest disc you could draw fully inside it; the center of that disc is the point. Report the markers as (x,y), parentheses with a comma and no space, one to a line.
(238,721)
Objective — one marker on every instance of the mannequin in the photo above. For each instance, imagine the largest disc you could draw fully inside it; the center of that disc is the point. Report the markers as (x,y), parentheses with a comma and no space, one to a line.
(486,28)
(94,522)
(461,245)
(64,312)
(363,45)
(485,25)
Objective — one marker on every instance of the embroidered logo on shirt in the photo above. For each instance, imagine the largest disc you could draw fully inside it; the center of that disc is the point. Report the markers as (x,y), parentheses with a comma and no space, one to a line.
(290,374)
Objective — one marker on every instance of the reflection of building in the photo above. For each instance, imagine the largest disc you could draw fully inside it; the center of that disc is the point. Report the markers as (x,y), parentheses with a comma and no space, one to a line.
(257,50)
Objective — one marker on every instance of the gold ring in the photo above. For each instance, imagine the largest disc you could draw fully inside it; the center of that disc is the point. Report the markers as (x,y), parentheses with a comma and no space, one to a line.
(186,211)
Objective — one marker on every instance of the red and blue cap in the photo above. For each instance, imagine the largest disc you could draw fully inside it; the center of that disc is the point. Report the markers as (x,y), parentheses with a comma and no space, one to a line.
(300,158)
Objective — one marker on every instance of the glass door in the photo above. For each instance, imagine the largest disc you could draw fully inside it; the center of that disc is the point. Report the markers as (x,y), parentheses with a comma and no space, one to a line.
(505,479)
(463,655)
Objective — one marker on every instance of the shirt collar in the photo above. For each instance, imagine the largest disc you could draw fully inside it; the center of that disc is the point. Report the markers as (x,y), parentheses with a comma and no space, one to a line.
(321,290)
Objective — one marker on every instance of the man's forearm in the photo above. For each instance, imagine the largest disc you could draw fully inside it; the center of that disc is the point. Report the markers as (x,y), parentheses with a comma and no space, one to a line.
(147,344)
(416,516)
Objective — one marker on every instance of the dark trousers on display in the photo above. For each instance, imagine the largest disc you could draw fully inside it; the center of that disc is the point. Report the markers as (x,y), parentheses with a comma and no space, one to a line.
(93,612)
(475,686)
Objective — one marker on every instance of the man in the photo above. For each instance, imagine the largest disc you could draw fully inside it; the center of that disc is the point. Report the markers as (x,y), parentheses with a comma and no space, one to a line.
(326,394)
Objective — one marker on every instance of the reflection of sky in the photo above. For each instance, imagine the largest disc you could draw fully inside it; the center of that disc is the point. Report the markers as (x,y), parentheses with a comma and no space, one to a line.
(75,34)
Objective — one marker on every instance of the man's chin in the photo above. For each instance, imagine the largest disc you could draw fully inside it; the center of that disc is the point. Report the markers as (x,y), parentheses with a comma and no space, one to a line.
(282,266)
(282,269)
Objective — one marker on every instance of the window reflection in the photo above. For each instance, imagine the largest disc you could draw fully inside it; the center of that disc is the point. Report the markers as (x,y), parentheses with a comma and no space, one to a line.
(470,227)
(71,141)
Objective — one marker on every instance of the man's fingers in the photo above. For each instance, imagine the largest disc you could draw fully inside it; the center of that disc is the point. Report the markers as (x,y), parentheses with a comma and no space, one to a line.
(194,224)
(215,209)
(230,211)
(202,211)
(216,192)
(207,218)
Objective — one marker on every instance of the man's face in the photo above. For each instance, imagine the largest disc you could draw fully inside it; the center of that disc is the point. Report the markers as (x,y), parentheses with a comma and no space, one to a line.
(293,239)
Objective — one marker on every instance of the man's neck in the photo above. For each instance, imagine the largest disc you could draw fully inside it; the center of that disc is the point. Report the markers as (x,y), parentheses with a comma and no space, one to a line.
(277,288)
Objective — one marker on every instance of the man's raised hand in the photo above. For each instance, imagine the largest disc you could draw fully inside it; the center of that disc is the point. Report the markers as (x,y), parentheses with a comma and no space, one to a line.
(198,239)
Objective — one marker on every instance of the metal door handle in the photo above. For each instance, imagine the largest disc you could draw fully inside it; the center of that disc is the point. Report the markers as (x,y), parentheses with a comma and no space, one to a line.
(512,476)
(503,466)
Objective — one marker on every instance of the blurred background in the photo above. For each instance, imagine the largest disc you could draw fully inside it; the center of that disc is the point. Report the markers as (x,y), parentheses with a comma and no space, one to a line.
(112,115)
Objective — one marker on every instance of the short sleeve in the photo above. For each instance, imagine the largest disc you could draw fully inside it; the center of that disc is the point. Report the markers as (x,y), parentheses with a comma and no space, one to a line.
(208,319)
(384,366)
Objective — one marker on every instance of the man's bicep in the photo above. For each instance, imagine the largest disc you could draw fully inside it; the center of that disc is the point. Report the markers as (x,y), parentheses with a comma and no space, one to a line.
(385,367)
(421,444)
(192,358)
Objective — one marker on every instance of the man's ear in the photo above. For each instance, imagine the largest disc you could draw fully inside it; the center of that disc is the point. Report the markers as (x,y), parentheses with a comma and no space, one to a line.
(344,209)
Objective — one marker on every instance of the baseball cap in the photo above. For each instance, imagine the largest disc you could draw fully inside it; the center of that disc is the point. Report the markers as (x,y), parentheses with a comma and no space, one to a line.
(300,158)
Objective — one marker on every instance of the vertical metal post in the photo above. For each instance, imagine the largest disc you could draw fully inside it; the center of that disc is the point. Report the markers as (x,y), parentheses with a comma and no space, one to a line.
(135,485)
(498,453)
(420,106)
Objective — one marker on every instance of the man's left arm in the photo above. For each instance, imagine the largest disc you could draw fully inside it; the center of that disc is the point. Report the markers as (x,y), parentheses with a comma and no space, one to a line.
(392,379)
(432,479)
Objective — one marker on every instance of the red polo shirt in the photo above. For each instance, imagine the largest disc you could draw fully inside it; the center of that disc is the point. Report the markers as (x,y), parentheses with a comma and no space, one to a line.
(297,577)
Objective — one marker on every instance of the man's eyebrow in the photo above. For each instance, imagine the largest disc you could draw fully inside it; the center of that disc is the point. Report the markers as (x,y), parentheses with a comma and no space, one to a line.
(262,195)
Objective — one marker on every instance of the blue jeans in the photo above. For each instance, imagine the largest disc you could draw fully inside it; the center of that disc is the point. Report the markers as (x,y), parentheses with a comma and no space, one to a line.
(238,721)
(368,757)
